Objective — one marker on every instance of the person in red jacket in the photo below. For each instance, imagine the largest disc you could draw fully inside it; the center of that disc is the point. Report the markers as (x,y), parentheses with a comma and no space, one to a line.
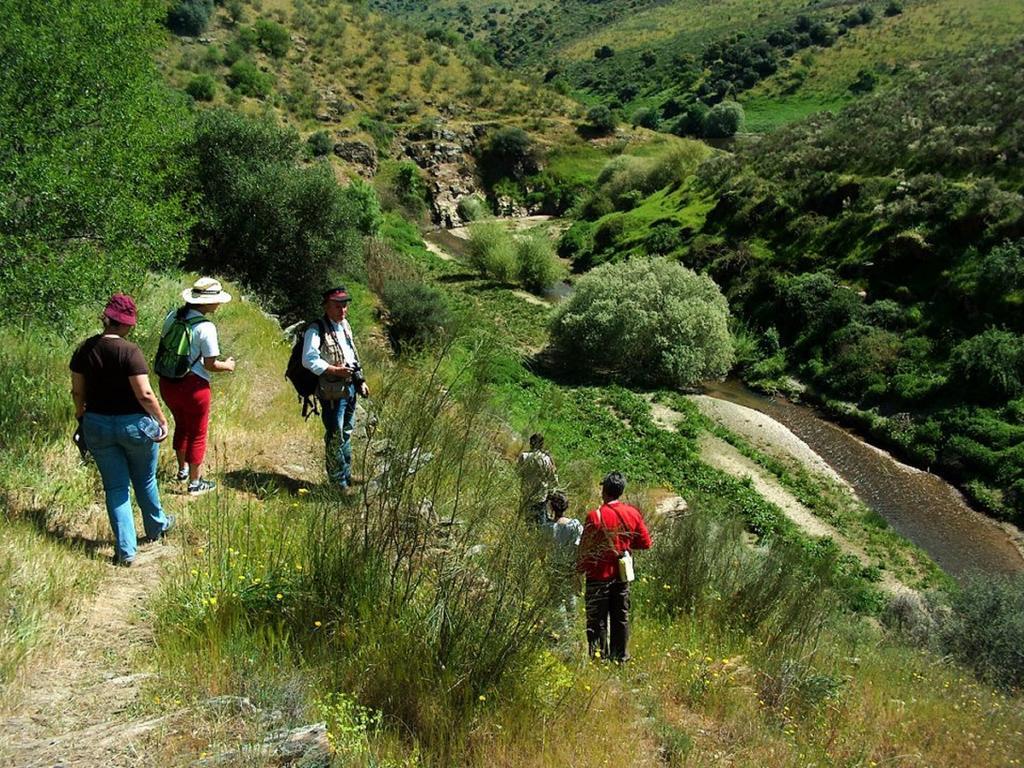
(610,530)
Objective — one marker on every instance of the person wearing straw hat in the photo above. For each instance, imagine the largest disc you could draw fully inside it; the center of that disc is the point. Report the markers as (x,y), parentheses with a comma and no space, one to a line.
(121,422)
(188,396)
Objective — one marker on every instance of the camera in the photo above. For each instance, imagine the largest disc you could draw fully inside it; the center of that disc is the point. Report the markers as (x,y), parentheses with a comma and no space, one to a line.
(358,379)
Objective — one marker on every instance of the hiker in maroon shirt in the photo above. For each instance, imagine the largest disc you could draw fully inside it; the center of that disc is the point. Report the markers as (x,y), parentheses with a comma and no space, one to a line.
(610,530)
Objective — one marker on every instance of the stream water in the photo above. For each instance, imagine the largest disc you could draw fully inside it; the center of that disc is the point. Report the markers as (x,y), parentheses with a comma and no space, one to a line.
(919,505)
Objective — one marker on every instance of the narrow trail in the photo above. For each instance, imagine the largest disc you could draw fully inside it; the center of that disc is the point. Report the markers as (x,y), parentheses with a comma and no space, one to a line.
(720,455)
(80,702)
(81,707)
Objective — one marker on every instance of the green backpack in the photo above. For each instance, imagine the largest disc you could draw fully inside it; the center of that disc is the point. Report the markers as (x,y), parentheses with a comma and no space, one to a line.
(173,357)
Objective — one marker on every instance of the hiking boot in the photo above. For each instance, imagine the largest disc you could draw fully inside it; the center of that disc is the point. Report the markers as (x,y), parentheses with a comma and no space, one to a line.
(125,562)
(200,486)
(182,475)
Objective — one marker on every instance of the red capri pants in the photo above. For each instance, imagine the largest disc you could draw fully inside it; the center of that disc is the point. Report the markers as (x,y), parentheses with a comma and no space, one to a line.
(189,401)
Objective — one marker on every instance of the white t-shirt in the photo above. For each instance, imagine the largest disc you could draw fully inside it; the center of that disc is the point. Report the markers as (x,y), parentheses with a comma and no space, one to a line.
(204,341)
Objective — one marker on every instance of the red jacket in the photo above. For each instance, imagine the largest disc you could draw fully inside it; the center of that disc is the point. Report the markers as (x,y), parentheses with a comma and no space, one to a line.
(608,532)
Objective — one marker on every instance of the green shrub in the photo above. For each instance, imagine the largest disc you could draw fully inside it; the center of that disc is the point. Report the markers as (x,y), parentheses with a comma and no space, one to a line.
(201,88)
(508,153)
(577,242)
(990,366)
(90,155)
(986,628)
(601,120)
(723,120)
(272,38)
(189,17)
(380,131)
(539,267)
(491,251)
(264,213)
(473,208)
(416,312)
(409,188)
(320,143)
(647,117)
(782,593)
(247,79)
(649,321)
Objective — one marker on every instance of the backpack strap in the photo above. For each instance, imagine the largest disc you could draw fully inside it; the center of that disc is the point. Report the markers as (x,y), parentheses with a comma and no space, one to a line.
(192,322)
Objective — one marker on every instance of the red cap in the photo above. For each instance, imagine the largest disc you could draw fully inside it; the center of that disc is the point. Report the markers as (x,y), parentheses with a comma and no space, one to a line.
(121,309)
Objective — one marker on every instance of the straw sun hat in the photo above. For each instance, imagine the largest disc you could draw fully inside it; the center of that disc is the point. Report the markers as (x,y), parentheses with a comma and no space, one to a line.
(205,290)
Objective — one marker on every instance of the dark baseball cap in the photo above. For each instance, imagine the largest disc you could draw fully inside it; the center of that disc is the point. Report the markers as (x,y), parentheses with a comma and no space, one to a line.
(339,293)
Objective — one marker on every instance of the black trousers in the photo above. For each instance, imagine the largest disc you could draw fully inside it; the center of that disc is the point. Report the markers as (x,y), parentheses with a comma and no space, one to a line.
(608,618)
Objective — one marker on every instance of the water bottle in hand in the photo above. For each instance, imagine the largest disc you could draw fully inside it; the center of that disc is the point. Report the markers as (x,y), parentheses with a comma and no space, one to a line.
(151,428)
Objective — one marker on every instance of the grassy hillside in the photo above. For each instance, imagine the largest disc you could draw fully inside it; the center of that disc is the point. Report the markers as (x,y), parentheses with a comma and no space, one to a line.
(650,60)
(335,68)
(924,33)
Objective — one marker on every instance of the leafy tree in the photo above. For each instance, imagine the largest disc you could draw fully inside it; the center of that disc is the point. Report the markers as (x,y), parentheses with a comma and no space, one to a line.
(894,8)
(601,120)
(650,321)
(189,17)
(272,38)
(647,117)
(416,312)
(90,166)
(247,79)
(282,228)
(320,143)
(723,120)
(691,119)
(508,153)
(604,52)
(236,11)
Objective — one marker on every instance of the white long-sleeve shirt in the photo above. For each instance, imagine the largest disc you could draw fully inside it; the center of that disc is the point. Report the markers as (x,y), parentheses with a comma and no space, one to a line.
(311,359)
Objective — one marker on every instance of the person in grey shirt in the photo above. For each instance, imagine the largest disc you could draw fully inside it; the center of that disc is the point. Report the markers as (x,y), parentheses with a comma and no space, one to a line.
(565,534)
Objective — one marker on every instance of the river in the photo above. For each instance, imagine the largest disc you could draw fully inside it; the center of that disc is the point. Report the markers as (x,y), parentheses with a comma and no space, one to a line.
(919,505)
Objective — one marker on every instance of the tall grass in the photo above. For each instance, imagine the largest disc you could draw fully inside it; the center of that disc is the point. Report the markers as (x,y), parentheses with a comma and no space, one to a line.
(421,597)
(53,524)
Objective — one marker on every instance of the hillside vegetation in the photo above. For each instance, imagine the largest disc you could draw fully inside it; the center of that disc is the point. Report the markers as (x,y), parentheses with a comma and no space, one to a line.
(877,252)
(419,619)
(653,61)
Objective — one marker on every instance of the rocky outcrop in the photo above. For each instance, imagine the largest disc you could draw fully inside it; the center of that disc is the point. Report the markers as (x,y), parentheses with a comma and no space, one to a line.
(446,157)
(362,155)
(332,107)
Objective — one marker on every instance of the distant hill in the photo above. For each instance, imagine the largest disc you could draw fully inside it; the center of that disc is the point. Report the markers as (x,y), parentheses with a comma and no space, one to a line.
(359,76)
(781,60)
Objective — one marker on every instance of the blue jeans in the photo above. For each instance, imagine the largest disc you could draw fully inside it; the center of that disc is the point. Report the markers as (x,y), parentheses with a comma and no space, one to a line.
(125,455)
(339,417)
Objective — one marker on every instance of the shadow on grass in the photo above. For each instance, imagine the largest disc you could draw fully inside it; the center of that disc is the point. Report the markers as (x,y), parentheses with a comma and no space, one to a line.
(263,484)
(40,519)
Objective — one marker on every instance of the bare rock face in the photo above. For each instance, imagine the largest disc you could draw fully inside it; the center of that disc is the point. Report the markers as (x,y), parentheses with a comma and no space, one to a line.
(362,155)
(508,206)
(446,155)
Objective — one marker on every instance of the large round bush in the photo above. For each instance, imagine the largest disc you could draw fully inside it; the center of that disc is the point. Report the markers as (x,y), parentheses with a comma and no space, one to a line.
(650,321)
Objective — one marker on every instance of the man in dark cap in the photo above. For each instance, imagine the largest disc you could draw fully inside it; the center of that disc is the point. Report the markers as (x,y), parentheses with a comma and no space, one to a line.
(329,352)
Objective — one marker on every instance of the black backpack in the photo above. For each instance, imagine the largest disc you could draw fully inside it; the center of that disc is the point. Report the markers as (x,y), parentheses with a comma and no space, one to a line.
(303,379)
